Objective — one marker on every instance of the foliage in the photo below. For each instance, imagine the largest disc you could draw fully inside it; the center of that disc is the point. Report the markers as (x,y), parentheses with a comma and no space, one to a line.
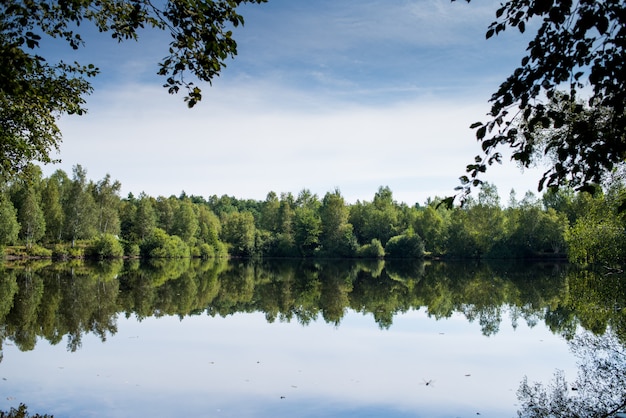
(161,245)
(599,390)
(336,237)
(578,48)
(39,251)
(408,245)
(79,208)
(78,297)
(21,412)
(598,236)
(35,90)
(372,250)
(561,223)
(9,227)
(239,232)
(105,246)
(596,242)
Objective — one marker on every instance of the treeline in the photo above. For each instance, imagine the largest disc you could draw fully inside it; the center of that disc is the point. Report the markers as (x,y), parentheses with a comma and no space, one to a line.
(62,217)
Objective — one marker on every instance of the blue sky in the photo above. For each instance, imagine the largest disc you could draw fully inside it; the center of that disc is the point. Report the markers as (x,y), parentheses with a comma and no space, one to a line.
(350,94)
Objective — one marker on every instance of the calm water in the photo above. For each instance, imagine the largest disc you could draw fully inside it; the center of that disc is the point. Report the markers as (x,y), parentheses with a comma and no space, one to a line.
(284,339)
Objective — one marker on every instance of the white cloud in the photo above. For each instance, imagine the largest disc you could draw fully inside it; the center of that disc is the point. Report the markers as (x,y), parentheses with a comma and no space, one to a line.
(354,94)
(238,142)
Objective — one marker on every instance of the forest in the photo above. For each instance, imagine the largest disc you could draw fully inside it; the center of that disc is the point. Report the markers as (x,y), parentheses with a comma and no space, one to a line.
(64,217)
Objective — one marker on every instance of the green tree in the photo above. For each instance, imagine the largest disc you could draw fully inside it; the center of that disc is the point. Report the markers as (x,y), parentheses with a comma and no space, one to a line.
(31,218)
(164,209)
(336,238)
(376,220)
(239,231)
(161,245)
(598,235)
(52,209)
(35,90)
(79,208)
(432,223)
(25,192)
(9,227)
(408,245)
(485,221)
(105,246)
(307,223)
(209,226)
(269,213)
(593,240)
(578,47)
(145,218)
(106,194)
(185,223)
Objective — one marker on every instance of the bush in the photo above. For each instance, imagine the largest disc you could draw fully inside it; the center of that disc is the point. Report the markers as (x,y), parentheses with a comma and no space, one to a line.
(372,250)
(39,251)
(409,245)
(221,250)
(131,249)
(60,252)
(206,251)
(105,246)
(161,245)
(76,252)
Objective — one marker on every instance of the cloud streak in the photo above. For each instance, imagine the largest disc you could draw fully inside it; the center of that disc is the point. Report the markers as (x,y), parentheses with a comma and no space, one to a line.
(325,94)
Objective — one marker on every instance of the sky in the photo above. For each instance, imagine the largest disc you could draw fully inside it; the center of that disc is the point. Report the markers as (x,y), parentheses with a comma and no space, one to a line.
(323,95)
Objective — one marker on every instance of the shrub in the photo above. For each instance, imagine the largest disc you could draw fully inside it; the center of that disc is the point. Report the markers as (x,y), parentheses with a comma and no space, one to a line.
(131,249)
(221,250)
(60,252)
(408,245)
(161,245)
(206,251)
(105,246)
(39,251)
(372,250)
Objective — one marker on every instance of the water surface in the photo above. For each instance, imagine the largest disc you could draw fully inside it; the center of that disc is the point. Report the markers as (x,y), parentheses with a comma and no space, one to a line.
(278,339)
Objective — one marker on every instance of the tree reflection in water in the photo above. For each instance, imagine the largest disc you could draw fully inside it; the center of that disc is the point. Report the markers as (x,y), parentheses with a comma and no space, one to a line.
(67,300)
(598,391)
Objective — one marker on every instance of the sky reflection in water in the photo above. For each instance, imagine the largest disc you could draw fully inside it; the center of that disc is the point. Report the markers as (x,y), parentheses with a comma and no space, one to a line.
(243,366)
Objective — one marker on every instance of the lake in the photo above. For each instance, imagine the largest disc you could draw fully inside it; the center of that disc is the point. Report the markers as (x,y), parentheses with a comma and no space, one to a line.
(277,338)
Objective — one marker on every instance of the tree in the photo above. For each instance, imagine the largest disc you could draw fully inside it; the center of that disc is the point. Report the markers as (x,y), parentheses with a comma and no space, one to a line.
(432,223)
(35,90)
(376,220)
(336,236)
(600,387)
(307,223)
(26,197)
(598,236)
(106,193)
(9,227)
(185,223)
(31,218)
(578,48)
(239,231)
(145,218)
(52,210)
(408,245)
(79,208)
